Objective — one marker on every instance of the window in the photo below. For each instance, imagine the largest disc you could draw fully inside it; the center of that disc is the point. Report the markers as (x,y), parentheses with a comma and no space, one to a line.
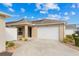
(20,31)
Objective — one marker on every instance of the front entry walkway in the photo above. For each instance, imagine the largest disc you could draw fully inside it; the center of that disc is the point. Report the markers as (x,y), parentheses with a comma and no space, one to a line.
(45,48)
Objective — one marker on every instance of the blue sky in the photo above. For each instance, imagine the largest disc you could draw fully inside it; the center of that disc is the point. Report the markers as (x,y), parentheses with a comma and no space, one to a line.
(35,11)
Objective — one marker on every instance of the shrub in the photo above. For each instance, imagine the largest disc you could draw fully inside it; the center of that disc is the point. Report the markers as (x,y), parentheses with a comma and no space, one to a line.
(77,41)
(77,32)
(23,38)
(76,38)
(75,35)
(9,44)
(68,38)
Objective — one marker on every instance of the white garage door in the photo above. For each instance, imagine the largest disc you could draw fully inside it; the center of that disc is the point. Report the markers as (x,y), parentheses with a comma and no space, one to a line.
(51,32)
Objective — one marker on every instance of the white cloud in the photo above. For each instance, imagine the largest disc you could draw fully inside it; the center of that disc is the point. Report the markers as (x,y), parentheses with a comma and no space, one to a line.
(47,6)
(51,6)
(25,17)
(38,5)
(8,4)
(22,9)
(66,13)
(73,13)
(11,9)
(73,5)
(66,18)
(32,17)
(43,12)
(54,16)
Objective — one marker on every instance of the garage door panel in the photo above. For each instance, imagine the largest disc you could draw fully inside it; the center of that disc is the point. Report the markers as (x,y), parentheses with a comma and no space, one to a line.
(48,32)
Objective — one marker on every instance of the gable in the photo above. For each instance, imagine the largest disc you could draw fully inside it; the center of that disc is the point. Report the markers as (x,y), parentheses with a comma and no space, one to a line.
(20,22)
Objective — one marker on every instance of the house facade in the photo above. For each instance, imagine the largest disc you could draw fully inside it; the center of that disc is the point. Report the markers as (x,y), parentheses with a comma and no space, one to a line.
(39,29)
(43,29)
(2,31)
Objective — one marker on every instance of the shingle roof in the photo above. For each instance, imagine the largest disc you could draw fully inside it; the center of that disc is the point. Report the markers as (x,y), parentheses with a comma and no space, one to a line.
(19,22)
(37,22)
(47,21)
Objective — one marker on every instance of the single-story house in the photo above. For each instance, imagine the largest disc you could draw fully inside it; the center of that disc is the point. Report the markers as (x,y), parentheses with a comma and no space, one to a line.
(2,31)
(43,29)
(39,29)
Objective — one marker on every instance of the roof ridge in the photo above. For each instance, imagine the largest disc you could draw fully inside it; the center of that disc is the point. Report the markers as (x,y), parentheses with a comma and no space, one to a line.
(22,19)
(49,19)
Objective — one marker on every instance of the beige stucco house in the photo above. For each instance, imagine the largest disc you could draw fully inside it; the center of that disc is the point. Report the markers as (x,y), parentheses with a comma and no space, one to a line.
(2,31)
(39,29)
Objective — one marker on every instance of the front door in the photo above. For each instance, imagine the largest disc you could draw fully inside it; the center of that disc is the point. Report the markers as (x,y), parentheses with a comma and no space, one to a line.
(29,31)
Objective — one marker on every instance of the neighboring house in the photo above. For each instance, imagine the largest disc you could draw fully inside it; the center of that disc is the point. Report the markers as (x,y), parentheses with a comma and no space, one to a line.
(70,29)
(40,29)
(2,31)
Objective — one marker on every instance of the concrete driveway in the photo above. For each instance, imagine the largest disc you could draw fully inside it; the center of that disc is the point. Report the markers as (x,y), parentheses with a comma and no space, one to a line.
(45,48)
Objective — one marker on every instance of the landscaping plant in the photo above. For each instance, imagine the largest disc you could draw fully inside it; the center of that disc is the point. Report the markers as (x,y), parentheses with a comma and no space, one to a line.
(76,38)
(68,39)
(9,44)
(23,38)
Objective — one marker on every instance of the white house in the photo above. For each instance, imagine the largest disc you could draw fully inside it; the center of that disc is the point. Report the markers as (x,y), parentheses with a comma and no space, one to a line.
(43,29)
(39,29)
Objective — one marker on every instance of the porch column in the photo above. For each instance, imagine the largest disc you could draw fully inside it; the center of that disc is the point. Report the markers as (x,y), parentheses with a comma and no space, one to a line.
(26,31)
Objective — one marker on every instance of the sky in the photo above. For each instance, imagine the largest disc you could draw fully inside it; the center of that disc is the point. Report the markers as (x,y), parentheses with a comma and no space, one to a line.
(36,11)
